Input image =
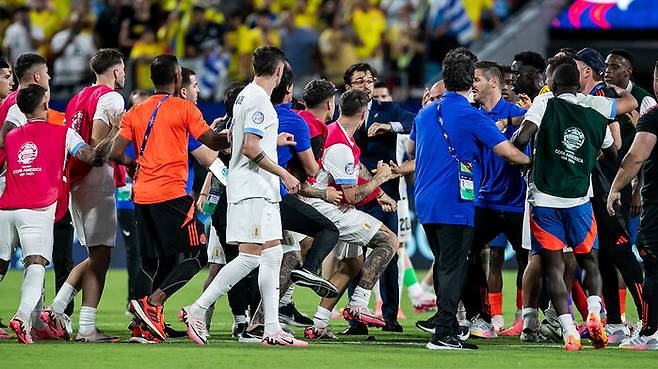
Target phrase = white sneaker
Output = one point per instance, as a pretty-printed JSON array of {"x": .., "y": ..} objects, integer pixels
[
  {"x": 481, "y": 329},
  {"x": 424, "y": 302},
  {"x": 641, "y": 343},
  {"x": 498, "y": 322},
  {"x": 196, "y": 327},
  {"x": 617, "y": 333}
]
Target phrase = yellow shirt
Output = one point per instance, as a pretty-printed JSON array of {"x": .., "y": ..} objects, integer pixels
[
  {"x": 369, "y": 26},
  {"x": 474, "y": 9},
  {"x": 143, "y": 53}
]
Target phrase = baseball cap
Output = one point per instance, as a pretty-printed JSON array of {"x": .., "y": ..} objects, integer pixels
[{"x": 592, "y": 59}]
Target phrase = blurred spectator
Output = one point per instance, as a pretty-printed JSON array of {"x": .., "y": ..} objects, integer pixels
[
  {"x": 108, "y": 25},
  {"x": 301, "y": 48},
  {"x": 306, "y": 13},
  {"x": 337, "y": 49},
  {"x": 72, "y": 48},
  {"x": 133, "y": 27},
  {"x": 142, "y": 53},
  {"x": 369, "y": 24},
  {"x": 482, "y": 15},
  {"x": 203, "y": 36},
  {"x": 405, "y": 47},
  {"x": 264, "y": 33},
  {"x": 21, "y": 36},
  {"x": 46, "y": 16}
]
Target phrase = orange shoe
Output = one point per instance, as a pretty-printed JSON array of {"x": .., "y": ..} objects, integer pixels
[
  {"x": 513, "y": 331},
  {"x": 597, "y": 334},
  {"x": 572, "y": 343},
  {"x": 152, "y": 316}
]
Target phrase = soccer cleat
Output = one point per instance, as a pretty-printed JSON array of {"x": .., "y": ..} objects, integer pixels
[
  {"x": 238, "y": 329},
  {"x": 572, "y": 343},
  {"x": 151, "y": 315},
  {"x": 44, "y": 334},
  {"x": 641, "y": 343},
  {"x": 139, "y": 335},
  {"x": 482, "y": 329},
  {"x": 314, "y": 333},
  {"x": 424, "y": 302},
  {"x": 364, "y": 315},
  {"x": 449, "y": 343},
  {"x": 513, "y": 331},
  {"x": 356, "y": 329},
  {"x": 254, "y": 335},
  {"x": 617, "y": 333},
  {"x": 4, "y": 335},
  {"x": 319, "y": 285},
  {"x": 196, "y": 327},
  {"x": 597, "y": 334},
  {"x": 21, "y": 329},
  {"x": 498, "y": 322},
  {"x": 282, "y": 339},
  {"x": 289, "y": 315},
  {"x": 56, "y": 323},
  {"x": 96, "y": 337},
  {"x": 172, "y": 333}
]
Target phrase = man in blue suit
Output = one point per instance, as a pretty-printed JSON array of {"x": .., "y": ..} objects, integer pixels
[{"x": 377, "y": 139}]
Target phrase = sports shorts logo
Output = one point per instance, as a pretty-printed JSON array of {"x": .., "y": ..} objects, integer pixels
[
  {"x": 27, "y": 153},
  {"x": 573, "y": 138},
  {"x": 349, "y": 168},
  {"x": 258, "y": 117}
]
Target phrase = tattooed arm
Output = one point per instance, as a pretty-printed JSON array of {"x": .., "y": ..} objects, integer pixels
[
  {"x": 355, "y": 193},
  {"x": 329, "y": 194}
]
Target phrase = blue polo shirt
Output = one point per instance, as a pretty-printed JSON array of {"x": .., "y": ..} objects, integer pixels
[
  {"x": 437, "y": 172},
  {"x": 293, "y": 123},
  {"x": 502, "y": 186}
]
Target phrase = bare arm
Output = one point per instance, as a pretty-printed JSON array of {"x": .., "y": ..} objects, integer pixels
[
  {"x": 6, "y": 128},
  {"x": 251, "y": 149},
  {"x": 204, "y": 155},
  {"x": 625, "y": 102},
  {"x": 616, "y": 133},
  {"x": 118, "y": 152},
  {"x": 355, "y": 193},
  {"x": 411, "y": 149},
  {"x": 215, "y": 141},
  {"x": 329, "y": 194},
  {"x": 203, "y": 194},
  {"x": 511, "y": 154},
  {"x": 89, "y": 155},
  {"x": 524, "y": 134}
]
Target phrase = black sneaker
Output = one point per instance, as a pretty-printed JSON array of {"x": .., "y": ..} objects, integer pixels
[
  {"x": 239, "y": 328},
  {"x": 319, "y": 285},
  {"x": 463, "y": 332},
  {"x": 449, "y": 343},
  {"x": 289, "y": 315},
  {"x": 356, "y": 329},
  {"x": 426, "y": 326},
  {"x": 172, "y": 333},
  {"x": 254, "y": 335},
  {"x": 392, "y": 326}
]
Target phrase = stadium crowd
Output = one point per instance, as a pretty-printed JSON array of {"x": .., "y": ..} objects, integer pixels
[
  {"x": 552, "y": 154},
  {"x": 216, "y": 38}
]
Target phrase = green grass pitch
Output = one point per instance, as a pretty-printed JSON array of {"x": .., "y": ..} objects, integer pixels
[{"x": 405, "y": 350}]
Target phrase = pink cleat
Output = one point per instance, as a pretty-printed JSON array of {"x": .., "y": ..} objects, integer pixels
[
  {"x": 43, "y": 334},
  {"x": 196, "y": 327},
  {"x": 364, "y": 315},
  {"x": 282, "y": 339},
  {"x": 513, "y": 331},
  {"x": 21, "y": 329},
  {"x": 424, "y": 303},
  {"x": 56, "y": 323},
  {"x": 4, "y": 335}
]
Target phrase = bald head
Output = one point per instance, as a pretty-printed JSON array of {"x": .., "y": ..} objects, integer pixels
[{"x": 437, "y": 90}]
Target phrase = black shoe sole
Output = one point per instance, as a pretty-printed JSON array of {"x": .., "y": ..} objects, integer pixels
[{"x": 322, "y": 289}]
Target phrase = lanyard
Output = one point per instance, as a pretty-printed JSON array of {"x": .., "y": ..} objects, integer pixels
[
  {"x": 150, "y": 125},
  {"x": 451, "y": 148}
]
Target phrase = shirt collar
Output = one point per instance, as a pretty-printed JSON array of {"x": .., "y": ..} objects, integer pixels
[
  {"x": 630, "y": 86},
  {"x": 456, "y": 96},
  {"x": 287, "y": 106},
  {"x": 568, "y": 97},
  {"x": 349, "y": 139},
  {"x": 498, "y": 108}
]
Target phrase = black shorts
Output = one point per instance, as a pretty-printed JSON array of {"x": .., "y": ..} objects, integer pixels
[
  {"x": 490, "y": 223},
  {"x": 168, "y": 228}
]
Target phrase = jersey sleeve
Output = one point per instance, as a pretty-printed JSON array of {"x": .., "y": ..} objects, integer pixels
[
  {"x": 302, "y": 136},
  {"x": 254, "y": 122},
  {"x": 649, "y": 122},
  {"x": 412, "y": 135},
  {"x": 192, "y": 144},
  {"x": 486, "y": 131},
  {"x": 73, "y": 141},
  {"x": 110, "y": 103},
  {"x": 536, "y": 112},
  {"x": 16, "y": 116},
  {"x": 647, "y": 103},
  {"x": 608, "y": 140},
  {"x": 196, "y": 125},
  {"x": 605, "y": 106},
  {"x": 338, "y": 160}
]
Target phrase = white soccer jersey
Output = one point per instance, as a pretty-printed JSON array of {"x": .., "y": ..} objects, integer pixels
[
  {"x": 253, "y": 113},
  {"x": 16, "y": 116}
]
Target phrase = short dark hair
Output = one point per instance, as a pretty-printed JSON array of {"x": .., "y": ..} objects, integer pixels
[
  {"x": 566, "y": 76},
  {"x": 265, "y": 60},
  {"x": 4, "y": 63},
  {"x": 506, "y": 69},
  {"x": 352, "y": 102},
  {"x": 570, "y": 51},
  {"x": 624, "y": 54},
  {"x": 317, "y": 91},
  {"x": 164, "y": 69},
  {"x": 557, "y": 61},
  {"x": 187, "y": 73},
  {"x": 25, "y": 62},
  {"x": 358, "y": 67},
  {"x": 458, "y": 68},
  {"x": 531, "y": 58},
  {"x": 492, "y": 69},
  {"x": 381, "y": 84},
  {"x": 29, "y": 98},
  {"x": 279, "y": 92},
  {"x": 231, "y": 94},
  {"x": 104, "y": 59}
]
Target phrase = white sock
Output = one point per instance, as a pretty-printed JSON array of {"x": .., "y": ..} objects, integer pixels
[
  {"x": 378, "y": 292},
  {"x": 31, "y": 290},
  {"x": 287, "y": 297},
  {"x": 268, "y": 283},
  {"x": 530, "y": 319},
  {"x": 360, "y": 297},
  {"x": 321, "y": 317},
  {"x": 65, "y": 295},
  {"x": 415, "y": 291},
  {"x": 37, "y": 323},
  {"x": 227, "y": 277},
  {"x": 240, "y": 319},
  {"x": 568, "y": 328},
  {"x": 87, "y": 320},
  {"x": 594, "y": 305}
]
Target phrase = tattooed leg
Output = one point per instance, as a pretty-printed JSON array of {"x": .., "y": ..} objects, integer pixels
[
  {"x": 346, "y": 270},
  {"x": 291, "y": 261},
  {"x": 384, "y": 245}
]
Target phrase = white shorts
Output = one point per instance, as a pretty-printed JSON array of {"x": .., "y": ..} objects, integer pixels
[
  {"x": 291, "y": 241},
  {"x": 94, "y": 215},
  {"x": 354, "y": 226},
  {"x": 254, "y": 220},
  {"x": 344, "y": 250},
  {"x": 32, "y": 229},
  {"x": 215, "y": 250}
]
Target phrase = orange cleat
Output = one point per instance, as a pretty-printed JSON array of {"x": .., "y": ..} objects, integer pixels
[
  {"x": 597, "y": 334},
  {"x": 572, "y": 343}
]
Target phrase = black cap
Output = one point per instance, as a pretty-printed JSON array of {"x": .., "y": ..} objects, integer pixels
[{"x": 592, "y": 59}]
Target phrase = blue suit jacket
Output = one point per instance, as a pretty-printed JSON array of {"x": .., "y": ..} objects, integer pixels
[{"x": 382, "y": 147}]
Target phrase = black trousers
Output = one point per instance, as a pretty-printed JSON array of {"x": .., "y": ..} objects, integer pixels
[
  {"x": 128, "y": 226},
  {"x": 616, "y": 253},
  {"x": 63, "y": 254},
  {"x": 647, "y": 244},
  {"x": 450, "y": 245}
]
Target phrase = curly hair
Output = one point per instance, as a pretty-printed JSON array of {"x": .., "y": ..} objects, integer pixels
[{"x": 458, "y": 68}]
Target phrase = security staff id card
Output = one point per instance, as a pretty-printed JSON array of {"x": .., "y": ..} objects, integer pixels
[{"x": 466, "y": 186}]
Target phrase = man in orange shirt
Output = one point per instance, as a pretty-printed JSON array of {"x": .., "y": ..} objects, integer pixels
[{"x": 158, "y": 129}]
